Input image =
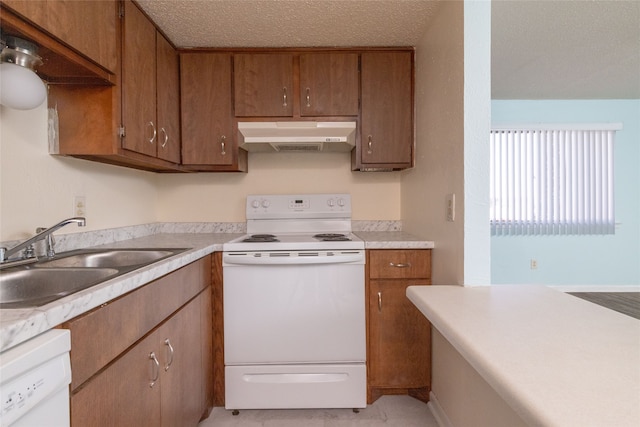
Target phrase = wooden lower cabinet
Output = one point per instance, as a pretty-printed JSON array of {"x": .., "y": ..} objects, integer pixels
[
  {"x": 399, "y": 336},
  {"x": 164, "y": 378}
]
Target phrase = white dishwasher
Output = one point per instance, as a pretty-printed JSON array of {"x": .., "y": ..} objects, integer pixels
[{"x": 34, "y": 381}]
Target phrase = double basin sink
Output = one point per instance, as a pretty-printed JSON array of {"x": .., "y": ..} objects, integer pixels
[{"x": 50, "y": 279}]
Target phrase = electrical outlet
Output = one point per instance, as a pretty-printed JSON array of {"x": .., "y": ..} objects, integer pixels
[
  {"x": 451, "y": 207},
  {"x": 533, "y": 264},
  {"x": 79, "y": 206}
]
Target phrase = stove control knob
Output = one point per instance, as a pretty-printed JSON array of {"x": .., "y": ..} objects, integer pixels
[
  {"x": 255, "y": 204},
  {"x": 331, "y": 203},
  {"x": 341, "y": 202},
  {"x": 266, "y": 204}
]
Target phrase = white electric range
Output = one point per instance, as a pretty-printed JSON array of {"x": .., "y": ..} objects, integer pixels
[{"x": 294, "y": 306}]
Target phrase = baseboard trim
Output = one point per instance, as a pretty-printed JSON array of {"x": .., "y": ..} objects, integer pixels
[
  {"x": 595, "y": 288},
  {"x": 438, "y": 412}
]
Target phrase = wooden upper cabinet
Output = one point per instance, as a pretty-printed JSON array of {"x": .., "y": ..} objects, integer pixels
[
  {"x": 139, "y": 82},
  {"x": 263, "y": 84},
  {"x": 387, "y": 110},
  {"x": 90, "y": 27},
  {"x": 329, "y": 84},
  {"x": 150, "y": 89},
  {"x": 168, "y": 100},
  {"x": 208, "y": 138}
]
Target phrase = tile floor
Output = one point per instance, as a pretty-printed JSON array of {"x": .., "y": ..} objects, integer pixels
[{"x": 396, "y": 411}]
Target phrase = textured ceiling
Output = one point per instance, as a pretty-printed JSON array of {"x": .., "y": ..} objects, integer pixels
[
  {"x": 549, "y": 49},
  {"x": 290, "y": 23}
]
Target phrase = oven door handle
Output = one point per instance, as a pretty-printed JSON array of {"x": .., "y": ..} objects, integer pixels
[{"x": 298, "y": 260}]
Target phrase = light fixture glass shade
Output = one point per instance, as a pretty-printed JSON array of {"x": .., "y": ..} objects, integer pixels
[{"x": 20, "y": 87}]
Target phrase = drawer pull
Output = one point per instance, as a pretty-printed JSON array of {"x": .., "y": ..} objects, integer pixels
[
  {"x": 170, "y": 348},
  {"x": 155, "y": 369},
  {"x": 380, "y": 301},
  {"x": 400, "y": 265}
]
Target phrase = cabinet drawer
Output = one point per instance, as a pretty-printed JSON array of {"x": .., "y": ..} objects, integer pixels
[
  {"x": 399, "y": 264},
  {"x": 97, "y": 337}
]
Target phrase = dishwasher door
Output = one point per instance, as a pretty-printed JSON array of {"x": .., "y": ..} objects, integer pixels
[{"x": 34, "y": 382}]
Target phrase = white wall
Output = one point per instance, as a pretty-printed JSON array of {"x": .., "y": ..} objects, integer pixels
[
  {"x": 221, "y": 196},
  {"x": 440, "y": 144},
  {"x": 37, "y": 190},
  {"x": 477, "y": 126}
]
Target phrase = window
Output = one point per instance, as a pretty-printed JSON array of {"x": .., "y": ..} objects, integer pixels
[{"x": 552, "y": 179}]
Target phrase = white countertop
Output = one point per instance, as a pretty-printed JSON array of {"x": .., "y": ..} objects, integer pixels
[
  {"x": 557, "y": 360},
  {"x": 18, "y": 325}
]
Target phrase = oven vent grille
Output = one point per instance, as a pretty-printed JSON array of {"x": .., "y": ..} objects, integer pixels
[{"x": 298, "y": 147}]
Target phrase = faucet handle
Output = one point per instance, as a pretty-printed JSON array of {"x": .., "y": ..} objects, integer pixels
[
  {"x": 29, "y": 252},
  {"x": 50, "y": 242}
]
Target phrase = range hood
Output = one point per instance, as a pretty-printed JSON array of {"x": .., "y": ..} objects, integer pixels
[{"x": 302, "y": 136}]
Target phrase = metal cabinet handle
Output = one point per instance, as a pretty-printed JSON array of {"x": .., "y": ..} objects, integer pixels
[
  {"x": 308, "y": 98},
  {"x": 170, "y": 348},
  {"x": 400, "y": 265},
  {"x": 155, "y": 133},
  {"x": 155, "y": 369},
  {"x": 223, "y": 140},
  {"x": 370, "y": 145},
  {"x": 380, "y": 301},
  {"x": 284, "y": 96},
  {"x": 166, "y": 137}
]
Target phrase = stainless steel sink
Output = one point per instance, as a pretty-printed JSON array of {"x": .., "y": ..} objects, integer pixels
[
  {"x": 115, "y": 258},
  {"x": 34, "y": 287},
  {"x": 47, "y": 280}
]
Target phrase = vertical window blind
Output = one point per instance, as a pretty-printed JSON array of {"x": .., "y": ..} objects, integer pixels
[{"x": 552, "y": 179}]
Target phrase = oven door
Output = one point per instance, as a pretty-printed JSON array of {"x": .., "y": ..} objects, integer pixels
[{"x": 294, "y": 308}]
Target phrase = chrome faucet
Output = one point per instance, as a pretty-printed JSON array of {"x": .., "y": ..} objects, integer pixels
[{"x": 42, "y": 233}]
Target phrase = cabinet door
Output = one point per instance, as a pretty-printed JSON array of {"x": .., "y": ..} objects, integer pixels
[
  {"x": 207, "y": 128},
  {"x": 329, "y": 84},
  {"x": 263, "y": 85},
  {"x": 168, "y": 100},
  {"x": 399, "y": 337},
  {"x": 139, "y": 82},
  {"x": 181, "y": 366},
  {"x": 121, "y": 395},
  {"x": 387, "y": 108},
  {"x": 87, "y": 26}
]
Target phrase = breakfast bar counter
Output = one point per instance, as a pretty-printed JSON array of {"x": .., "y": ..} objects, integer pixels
[{"x": 556, "y": 360}]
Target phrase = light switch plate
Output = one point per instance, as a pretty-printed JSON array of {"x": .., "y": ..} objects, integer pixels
[{"x": 451, "y": 207}]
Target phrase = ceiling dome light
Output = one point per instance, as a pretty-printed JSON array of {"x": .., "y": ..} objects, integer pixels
[{"x": 20, "y": 86}]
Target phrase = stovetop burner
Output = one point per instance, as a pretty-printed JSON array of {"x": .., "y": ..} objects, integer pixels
[
  {"x": 332, "y": 237},
  {"x": 262, "y": 238}
]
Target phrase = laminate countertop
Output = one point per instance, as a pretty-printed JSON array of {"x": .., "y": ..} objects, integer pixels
[
  {"x": 392, "y": 240},
  {"x": 18, "y": 325},
  {"x": 555, "y": 359}
]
